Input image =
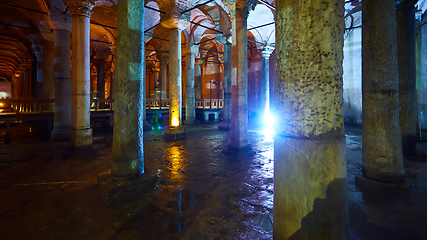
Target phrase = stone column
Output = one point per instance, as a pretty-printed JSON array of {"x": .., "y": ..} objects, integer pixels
[
  {"x": 100, "y": 83},
  {"x": 239, "y": 107},
  {"x": 190, "y": 101},
  {"x": 128, "y": 176},
  {"x": 61, "y": 24},
  {"x": 38, "y": 51},
  {"x": 265, "y": 85},
  {"x": 81, "y": 133},
  {"x": 382, "y": 145},
  {"x": 408, "y": 104},
  {"x": 198, "y": 78},
  {"x": 310, "y": 175},
  {"x": 48, "y": 65},
  {"x": 226, "y": 116},
  {"x": 163, "y": 58},
  {"x": 113, "y": 71}
]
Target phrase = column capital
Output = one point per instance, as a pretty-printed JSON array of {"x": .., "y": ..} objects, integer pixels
[
  {"x": 240, "y": 8},
  {"x": 163, "y": 57},
  {"x": 81, "y": 7},
  {"x": 59, "y": 20},
  {"x": 199, "y": 61},
  {"x": 223, "y": 39},
  {"x": 38, "y": 49},
  {"x": 174, "y": 17},
  {"x": 113, "y": 49},
  {"x": 266, "y": 51}
]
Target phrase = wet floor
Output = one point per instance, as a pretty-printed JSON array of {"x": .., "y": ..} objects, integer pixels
[{"x": 202, "y": 193}]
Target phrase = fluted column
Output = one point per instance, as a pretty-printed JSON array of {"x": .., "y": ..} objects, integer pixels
[
  {"x": 310, "y": 175},
  {"x": 239, "y": 113},
  {"x": 265, "y": 85},
  {"x": 190, "y": 101},
  {"x": 81, "y": 133},
  {"x": 226, "y": 122},
  {"x": 61, "y": 24},
  {"x": 408, "y": 105},
  {"x": 382, "y": 145},
  {"x": 163, "y": 58}
]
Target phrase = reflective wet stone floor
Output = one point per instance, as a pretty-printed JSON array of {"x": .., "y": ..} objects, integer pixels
[{"x": 202, "y": 192}]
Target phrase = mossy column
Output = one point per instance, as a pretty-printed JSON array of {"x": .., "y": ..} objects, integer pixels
[
  {"x": 226, "y": 117},
  {"x": 61, "y": 24},
  {"x": 382, "y": 146},
  {"x": 408, "y": 110},
  {"x": 239, "y": 107},
  {"x": 310, "y": 179},
  {"x": 81, "y": 133},
  {"x": 128, "y": 155}
]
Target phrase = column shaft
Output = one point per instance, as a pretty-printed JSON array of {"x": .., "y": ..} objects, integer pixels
[
  {"x": 100, "y": 85},
  {"x": 408, "y": 113},
  {"x": 128, "y": 154},
  {"x": 265, "y": 85},
  {"x": 163, "y": 74},
  {"x": 226, "y": 116},
  {"x": 62, "y": 73},
  {"x": 382, "y": 145},
  {"x": 310, "y": 178},
  {"x": 48, "y": 67},
  {"x": 81, "y": 133},
  {"x": 198, "y": 80},
  {"x": 175, "y": 78},
  {"x": 190, "y": 101},
  {"x": 239, "y": 112}
]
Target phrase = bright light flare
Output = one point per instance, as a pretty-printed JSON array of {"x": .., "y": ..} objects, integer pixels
[
  {"x": 1, "y": 104},
  {"x": 269, "y": 119},
  {"x": 269, "y": 132}
]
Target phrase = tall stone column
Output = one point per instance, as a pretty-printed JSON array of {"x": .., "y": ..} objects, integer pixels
[
  {"x": 310, "y": 176},
  {"x": 128, "y": 176},
  {"x": 408, "y": 104},
  {"x": 190, "y": 101},
  {"x": 61, "y": 24},
  {"x": 382, "y": 145},
  {"x": 198, "y": 78},
  {"x": 100, "y": 83},
  {"x": 239, "y": 107},
  {"x": 81, "y": 133},
  {"x": 48, "y": 65},
  {"x": 163, "y": 58},
  {"x": 226, "y": 122},
  {"x": 113, "y": 71},
  {"x": 265, "y": 84}
]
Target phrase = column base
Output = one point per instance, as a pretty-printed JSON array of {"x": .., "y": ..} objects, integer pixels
[
  {"x": 113, "y": 189},
  {"x": 224, "y": 126},
  {"x": 377, "y": 173},
  {"x": 192, "y": 122},
  {"x": 310, "y": 189},
  {"x": 60, "y": 134},
  {"x": 403, "y": 188},
  {"x": 146, "y": 126},
  {"x": 243, "y": 149},
  {"x": 81, "y": 139},
  {"x": 172, "y": 134}
]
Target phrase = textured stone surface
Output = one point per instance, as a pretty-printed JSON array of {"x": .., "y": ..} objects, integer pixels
[
  {"x": 172, "y": 134},
  {"x": 226, "y": 116},
  {"x": 128, "y": 155},
  {"x": 190, "y": 101},
  {"x": 175, "y": 77},
  {"x": 309, "y": 169},
  {"x": 382, "y": 146}
]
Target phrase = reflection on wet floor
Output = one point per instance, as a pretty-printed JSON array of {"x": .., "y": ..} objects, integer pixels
[{"x": 202, "y": 193}]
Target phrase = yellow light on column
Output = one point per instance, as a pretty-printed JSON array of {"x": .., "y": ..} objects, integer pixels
[{"x": 175, "y": 121}]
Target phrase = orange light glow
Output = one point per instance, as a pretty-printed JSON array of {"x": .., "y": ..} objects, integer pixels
[{"x": 175, "y": 122}]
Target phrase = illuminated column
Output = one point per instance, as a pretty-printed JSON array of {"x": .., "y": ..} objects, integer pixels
[
  {"x": 61, "y": 24},
  {"x": 81, "y": 133},
  {"x": 128, "y": 176},
  {"x": 382, "y": 145},
  {"x": 408, "y": 103},
  {"x": 198, "y": 78},
  {"x": 190, "y": 101},
  {"x": 226, "y": 123},
  {"x": 239, "y": 107},
  {"x": 265, "y": 85},
  {"x": 163, "y": 58},
  {"x": 310, "y": 175},
  {"x": 176, "y": 22}
]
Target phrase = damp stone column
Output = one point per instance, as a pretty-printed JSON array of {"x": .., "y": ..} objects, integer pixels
[
  {"x": 239, "y": 107},
  {"x": 81, "y": 133},
  {"x": 176, "y": 22},
  {"x": 226, "y": 122},
  {"x": 382, "y": 157},
  {"x": 163, "y": 61},
  {"x": 128, "y": 176},
  {"x": 310, "y": 175},
  {"x": 61, "y": 24},
  {"x": 190, "y": 101},
  {"x": 100, "y": 83},
  {"x": 408, "y": 104},
  {"x": 267, "y": 118}
]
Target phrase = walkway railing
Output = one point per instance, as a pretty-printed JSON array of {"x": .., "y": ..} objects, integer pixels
[{"x": 48, "y": 105}]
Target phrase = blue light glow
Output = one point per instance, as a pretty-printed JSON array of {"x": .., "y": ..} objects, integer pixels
[{"x": 269, "y": 119}]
